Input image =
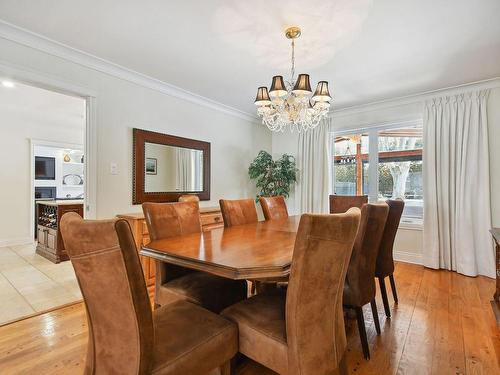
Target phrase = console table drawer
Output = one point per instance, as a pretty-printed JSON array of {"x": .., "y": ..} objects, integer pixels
[{"x": 209, "y": 219}]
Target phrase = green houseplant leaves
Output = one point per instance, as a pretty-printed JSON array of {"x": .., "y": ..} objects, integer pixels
[{"x": 273, "y": 177}]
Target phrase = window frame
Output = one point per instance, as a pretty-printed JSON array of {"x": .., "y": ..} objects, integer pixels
[{"x": 372, "y": 131}]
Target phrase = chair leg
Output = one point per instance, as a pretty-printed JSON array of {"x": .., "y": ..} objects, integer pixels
[
  {"x": 226, "y": 368},
  {"x": 385, "y": 300},
  {"x": 375, "y": 316},
  {"x": 362, "y": 331},
  {"x": 393, "y": 287}
]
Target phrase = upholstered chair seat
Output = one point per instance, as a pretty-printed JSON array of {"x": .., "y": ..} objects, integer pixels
[
  {"x": 341, "y": 203},
  {"x": 212, "y": 292},
  {"x": 300, "y": 329},
  {"x": 190, "y": 339},
  {"x": 359, "y": 288},
  {"x": 173, "y": 282},
  {"x": 385, "y": 260},
  {"x": 125, "y": 336}
]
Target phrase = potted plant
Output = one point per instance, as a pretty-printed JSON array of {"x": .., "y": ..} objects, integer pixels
[{"x": 273, "y": 177}]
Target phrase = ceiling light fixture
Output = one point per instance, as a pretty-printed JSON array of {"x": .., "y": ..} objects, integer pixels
[
  {"x": 8, "y": 84},
  {"x": 291, "y": 104}
]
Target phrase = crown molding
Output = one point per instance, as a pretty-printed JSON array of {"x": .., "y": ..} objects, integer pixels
[
  {"x": 39, "y": 42},
  {"x": 418, "y": 98}
]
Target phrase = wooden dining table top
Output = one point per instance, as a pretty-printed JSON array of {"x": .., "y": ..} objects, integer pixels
[{"x": 259, "y": 250}]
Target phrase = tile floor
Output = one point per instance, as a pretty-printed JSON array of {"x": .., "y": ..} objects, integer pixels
[{"x": 30, "y": 283}]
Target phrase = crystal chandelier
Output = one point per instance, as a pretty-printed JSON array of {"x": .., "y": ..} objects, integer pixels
[{"x": 291, "y": 105}]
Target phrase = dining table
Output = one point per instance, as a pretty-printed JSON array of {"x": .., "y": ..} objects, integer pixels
[{"x": 244, "y": 252}]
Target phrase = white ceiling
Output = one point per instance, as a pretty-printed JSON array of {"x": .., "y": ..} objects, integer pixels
[{"x": 368, "y": 50}]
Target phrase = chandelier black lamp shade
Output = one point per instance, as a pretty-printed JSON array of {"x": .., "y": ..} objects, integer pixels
[
  {"x": 278, "y": 88},
  {"x": 303, "y": 85},
  {"x": 322, "y": 94},
  {"x": 262, "y": 98}
]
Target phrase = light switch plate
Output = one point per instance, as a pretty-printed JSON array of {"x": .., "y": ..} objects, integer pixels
[{"x": 113, "y": 168}]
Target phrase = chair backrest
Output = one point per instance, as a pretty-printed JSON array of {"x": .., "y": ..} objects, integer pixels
[
  {"x": 361, "y": 272},
  {"x": 314, "y": 318},
  {"x": 109, "y": 273},
  {"x": 341, "y": 203},
  {"x": 166, "y": 220},
  {"x": 385, "y": 260},
  {"x": 274, "y": 208},
  {"x": 189, "y": 198},
  {"x": 238, "y": 212}
]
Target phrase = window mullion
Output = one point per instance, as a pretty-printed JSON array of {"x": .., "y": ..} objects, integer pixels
[{"x": 373, "y": 168}]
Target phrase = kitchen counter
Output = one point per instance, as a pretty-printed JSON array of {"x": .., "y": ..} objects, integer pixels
[{"x": 60, "y": 202}]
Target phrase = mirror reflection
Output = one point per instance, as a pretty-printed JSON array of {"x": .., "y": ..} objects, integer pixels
[{"x": 172, "y": 169}]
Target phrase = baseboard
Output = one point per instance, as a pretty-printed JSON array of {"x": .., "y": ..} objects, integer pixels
[
  {"x": 16, "y": 241},
  {"x": 407, "y": 257}
]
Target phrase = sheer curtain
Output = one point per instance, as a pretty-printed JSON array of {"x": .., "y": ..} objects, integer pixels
[
  {"x": 457, "y": 213},
  {"x": 313, "y": 162},
  {"x": 184, "y": 169}
]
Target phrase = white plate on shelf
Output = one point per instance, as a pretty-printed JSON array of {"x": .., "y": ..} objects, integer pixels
[{"x": 72, "y": 179}]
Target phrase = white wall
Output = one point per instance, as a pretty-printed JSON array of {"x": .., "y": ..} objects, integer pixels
[
  {"x": 122, "y": 105},
  {"x": 27, "y": 112},
  {"x": 408, "y": 244}
]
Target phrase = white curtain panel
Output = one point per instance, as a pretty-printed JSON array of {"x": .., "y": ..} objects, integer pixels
[
  {"x": 184, "y": 166},
  {"x": 313, "y": 162},
  {"x": 457, "y": 214}
]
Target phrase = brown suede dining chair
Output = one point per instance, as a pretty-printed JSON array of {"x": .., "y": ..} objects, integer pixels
[
  {"x": 173, "y": 282},
  {"x": 341, "y": 203},
  {"x": 274, "y": 208},
  {"x": 238, "y": 211},
  {"x": 290, "y": 330},
  {"x": 359, "y": 288},
  {"x": 385, "y": 260},
  {"x": 125, "y": 336},
  {"x": 189, "y": 198}
]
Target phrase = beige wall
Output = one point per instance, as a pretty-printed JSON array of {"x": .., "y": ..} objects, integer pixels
[{"x": 122, "y": 105}]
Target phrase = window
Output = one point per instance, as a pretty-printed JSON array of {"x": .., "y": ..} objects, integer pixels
[
  {"x": 396, "y": 155},
  {"x": 400, "y": 168},
  {"x": 351, "y": 165}
]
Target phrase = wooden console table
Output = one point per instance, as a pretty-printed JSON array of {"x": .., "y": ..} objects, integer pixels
[
  {"x": 496, "y": 298},
  {"x": 210, "y": 217}
]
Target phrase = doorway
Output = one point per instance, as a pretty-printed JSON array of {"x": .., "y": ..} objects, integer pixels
[{"x": 43, "y": 164}]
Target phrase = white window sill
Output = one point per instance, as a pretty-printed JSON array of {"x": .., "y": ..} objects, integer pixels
[{"x": 411, "y": 224}]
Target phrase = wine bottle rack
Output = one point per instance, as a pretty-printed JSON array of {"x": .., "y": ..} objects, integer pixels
[{"x": 47, "y": 216}]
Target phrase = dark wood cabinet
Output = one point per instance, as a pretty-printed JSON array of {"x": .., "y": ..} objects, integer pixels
[{"x": 50, "y": 244}]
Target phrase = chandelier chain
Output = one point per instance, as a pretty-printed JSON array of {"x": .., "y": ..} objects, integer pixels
[{"x": 292, "y": 72}]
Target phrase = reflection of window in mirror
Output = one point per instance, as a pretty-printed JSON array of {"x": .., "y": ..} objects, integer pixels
[{"x": 172, "y": 169}]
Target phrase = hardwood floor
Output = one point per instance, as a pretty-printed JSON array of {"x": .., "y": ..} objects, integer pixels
[{"x": 443, "y": 324}]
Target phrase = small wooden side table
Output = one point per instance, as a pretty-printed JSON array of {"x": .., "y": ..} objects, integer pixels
[{"x": 496, "y": 298}]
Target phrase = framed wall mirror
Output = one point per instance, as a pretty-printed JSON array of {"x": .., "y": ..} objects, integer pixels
[{"x": 166, "y": 167}]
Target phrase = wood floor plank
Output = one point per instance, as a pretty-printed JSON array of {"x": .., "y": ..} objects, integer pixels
[{"x": 443, "y": 324}]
